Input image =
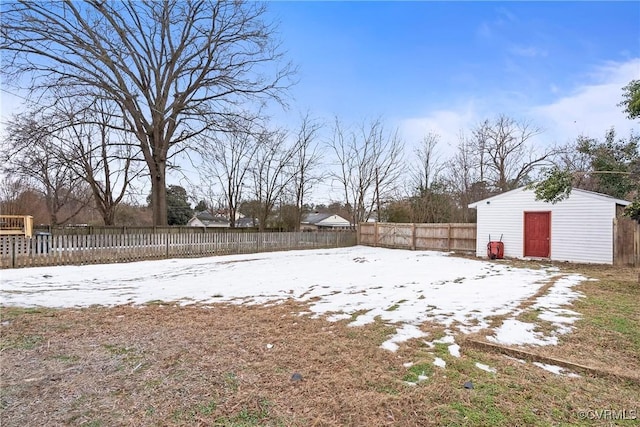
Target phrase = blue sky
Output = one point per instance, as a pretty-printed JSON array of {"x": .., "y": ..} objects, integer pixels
[{"x": 444, "y": 66}]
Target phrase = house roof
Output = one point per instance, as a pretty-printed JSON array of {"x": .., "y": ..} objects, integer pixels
[
  {"x": 245, "y": 222},
  {"x": 206, "y": 219},
  {"x": 587, "y": 193},
  {"x": 204, "y": 216},
  {"x": 315, "y": 218},
  {"x": 318, "y": 218}
]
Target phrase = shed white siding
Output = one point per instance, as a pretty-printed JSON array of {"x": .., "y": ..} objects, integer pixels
[{"x": 581, "y": 226}]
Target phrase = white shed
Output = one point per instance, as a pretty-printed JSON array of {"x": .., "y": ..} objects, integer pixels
[{"x": 577, "y": 229}]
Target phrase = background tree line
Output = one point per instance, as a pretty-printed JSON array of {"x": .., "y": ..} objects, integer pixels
[{"x": 124, "y": 89}]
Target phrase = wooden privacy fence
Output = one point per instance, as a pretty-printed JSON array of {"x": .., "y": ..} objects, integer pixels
[
  {"x": 447, "y": 237},
  {"x": 626, "y": 242},
  {"x": 45, "y": 250}
]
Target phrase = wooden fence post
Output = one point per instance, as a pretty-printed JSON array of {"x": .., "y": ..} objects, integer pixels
[
  {"x": 376, "y": 234},
  {"x": 12, "y": 246},
  {"x": 413, "y": 236},
  {"x": 167, "y": 236}
]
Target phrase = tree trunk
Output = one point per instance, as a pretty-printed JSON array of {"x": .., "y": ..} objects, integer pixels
[
  {"x": 109, "y": 217},
  {"x": 159, "y": 193}
]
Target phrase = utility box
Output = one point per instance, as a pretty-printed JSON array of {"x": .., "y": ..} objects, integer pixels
[{"x": 495, "y": 250}]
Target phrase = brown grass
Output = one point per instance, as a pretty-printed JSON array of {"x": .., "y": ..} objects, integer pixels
[{"x": 233, "y": 365}]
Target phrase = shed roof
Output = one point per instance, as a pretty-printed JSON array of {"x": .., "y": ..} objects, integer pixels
[{"x": 587, "y": 193}]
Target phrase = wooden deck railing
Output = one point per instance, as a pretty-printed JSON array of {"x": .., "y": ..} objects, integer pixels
[{"x": 16, "y": 225}]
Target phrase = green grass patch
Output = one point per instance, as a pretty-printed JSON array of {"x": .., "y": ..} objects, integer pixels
[
  {"x": 530, "y": 316},
  {"x": 118, "y": 350},
  {"x": 248, "y": 417},
  {"x": 204, "y": 409},
  {"x": 356, "y": 314},
  {"x": 415, "y": 371},
  {"x": 66, "y": 358},
  {"x": 476, "y": 415},
  {"x": 24, "y": 342},
  {"x": 231, "y": 381}
]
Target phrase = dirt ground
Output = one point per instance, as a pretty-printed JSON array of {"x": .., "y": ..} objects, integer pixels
[{"x": 233, "y": 365}]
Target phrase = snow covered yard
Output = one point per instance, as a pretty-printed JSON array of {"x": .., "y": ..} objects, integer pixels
[
  {"x": 269, "y": 339},
  {"x": 403, "y": 288}
]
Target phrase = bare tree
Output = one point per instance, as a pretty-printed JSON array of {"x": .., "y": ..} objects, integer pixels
[
  {"x": 370, "y": 163},
  {"x": 172, "y": 67},
  {"x": 505, "y": 156},
  {"x": 464, "y": 177},
  {"x": 430, "y": 201},
  {"x": 100, "y": 155},
  {"x": 272, "y": 172},
  {"x": 306, "y": 162},
  {"x": 228, "y": 157},
  {"x": 30, "y": 153},
  {"x": 428, "y": 166}
]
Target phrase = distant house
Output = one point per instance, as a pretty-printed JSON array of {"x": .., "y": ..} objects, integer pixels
[
  {"x": 324, "y": 221},
  {"x": 578, "y": 229},
  {"x": 246, "y": 222},
  {"x": 205, "y": 219}
]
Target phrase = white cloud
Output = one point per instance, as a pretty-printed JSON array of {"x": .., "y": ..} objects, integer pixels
[
  {"x": 484, "y": 31},
  {"x": 528, "y": 51},
  {"x": 591, "y": 108},
  {"x": 446, "y": 123}
]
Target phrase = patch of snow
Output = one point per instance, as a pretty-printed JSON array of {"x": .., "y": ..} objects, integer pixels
[
  {"x": 439, "y": 362},
  {"x": 447, "y": 339},
  {"x": 454, "y": 350},
  {"x": 434, "y": 286},
  {"x": 337, "y": 317},
  {"x": 486, "y": 367},
  {"x": 516, "y": 359},
  {"x": 558, "y": 370},
  {"x": 550, "y": 304},
  {"x": 403, "y": 334},
  {"x": 515, "y": 332},
  {"x": 407, "y": 364}
]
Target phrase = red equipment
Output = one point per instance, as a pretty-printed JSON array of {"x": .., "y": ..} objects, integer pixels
[{"x": 495, "y": 249}]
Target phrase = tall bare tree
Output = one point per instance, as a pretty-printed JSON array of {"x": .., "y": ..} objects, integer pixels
[
  {"x": 464, "y": 177},
  {"x": 31, "y": 152},
  {"x": 171, "y": 66},
  {"x": 430, "y": 201},
  {"x": 505, "y": 154},
  {"x": 102, "y": 156},
  {"x": 228, "y": 157},
  {"x": 272, "y": 172},
  {"x": 428, "y": 166},
  {"x": 306, "y": 162},
  {"x": 370, "y": 164}
]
